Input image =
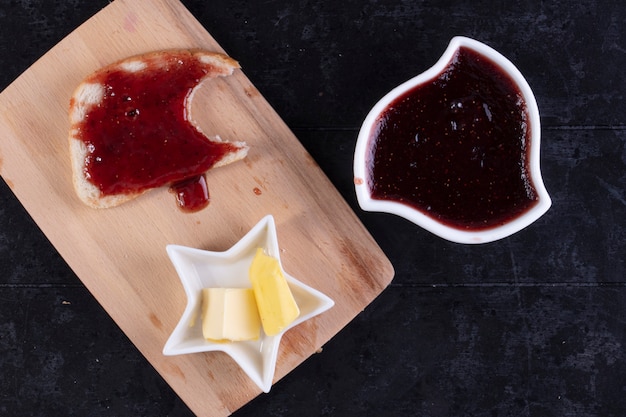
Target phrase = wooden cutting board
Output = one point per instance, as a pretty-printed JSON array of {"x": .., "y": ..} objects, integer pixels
[{"x": 119, "y": 253}]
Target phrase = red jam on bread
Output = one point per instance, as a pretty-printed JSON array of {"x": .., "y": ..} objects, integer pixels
[{"x": 138, "y": 135}]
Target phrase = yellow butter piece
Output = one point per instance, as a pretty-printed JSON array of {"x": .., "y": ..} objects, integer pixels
[
  {"x": 276, "y": 304},
  {"x": 230, "y": 314}
]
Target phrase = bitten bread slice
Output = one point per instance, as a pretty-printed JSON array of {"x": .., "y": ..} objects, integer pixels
[{"x": 92, "y": 91}]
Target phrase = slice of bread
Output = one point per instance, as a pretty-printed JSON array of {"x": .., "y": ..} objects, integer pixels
[{"x": 90, "y": 93}]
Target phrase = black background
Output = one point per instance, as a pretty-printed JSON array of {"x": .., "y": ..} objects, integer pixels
[{"x": 531, "y": 325}]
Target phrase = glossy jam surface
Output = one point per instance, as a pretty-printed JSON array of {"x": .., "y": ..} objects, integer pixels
[
  {"x": 192, "y": 194},
  {"x": 456, "y": 147},
  {"x": 139, "y": 137}
]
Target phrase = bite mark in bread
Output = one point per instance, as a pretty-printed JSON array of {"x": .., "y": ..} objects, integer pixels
[{"x": 96, "y": 92}]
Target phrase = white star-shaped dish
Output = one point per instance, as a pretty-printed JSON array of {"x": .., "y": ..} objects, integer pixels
[{"x": 200, "y": 269}]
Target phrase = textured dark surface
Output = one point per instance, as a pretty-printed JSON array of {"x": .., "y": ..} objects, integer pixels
[{"x": 532, "y": 325}]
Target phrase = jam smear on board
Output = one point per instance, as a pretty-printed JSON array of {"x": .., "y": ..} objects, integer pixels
[
  {"x": 456, "y": 148},
  {"x": 192, "y": 194},
  {"x": 139, "y": 136}
]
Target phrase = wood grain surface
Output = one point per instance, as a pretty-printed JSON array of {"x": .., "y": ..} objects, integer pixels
[{"x": 119, "y": 253}]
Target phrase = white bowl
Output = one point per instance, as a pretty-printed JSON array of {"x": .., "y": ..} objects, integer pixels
[
  {"x": 200, "y": 269},
  {"x": 361, "y": 174}
]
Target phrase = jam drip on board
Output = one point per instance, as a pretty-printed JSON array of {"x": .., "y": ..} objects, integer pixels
[
  {"x": 192, "y": 194},
  {"x": 139, "y": 136},
  {"x": 456, "y": 148}
]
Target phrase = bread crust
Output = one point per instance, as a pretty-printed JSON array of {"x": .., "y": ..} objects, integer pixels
[{"x": 90, "y": 92}]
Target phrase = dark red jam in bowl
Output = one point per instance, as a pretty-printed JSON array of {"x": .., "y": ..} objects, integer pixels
[{"x": 456, "y": 148}]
